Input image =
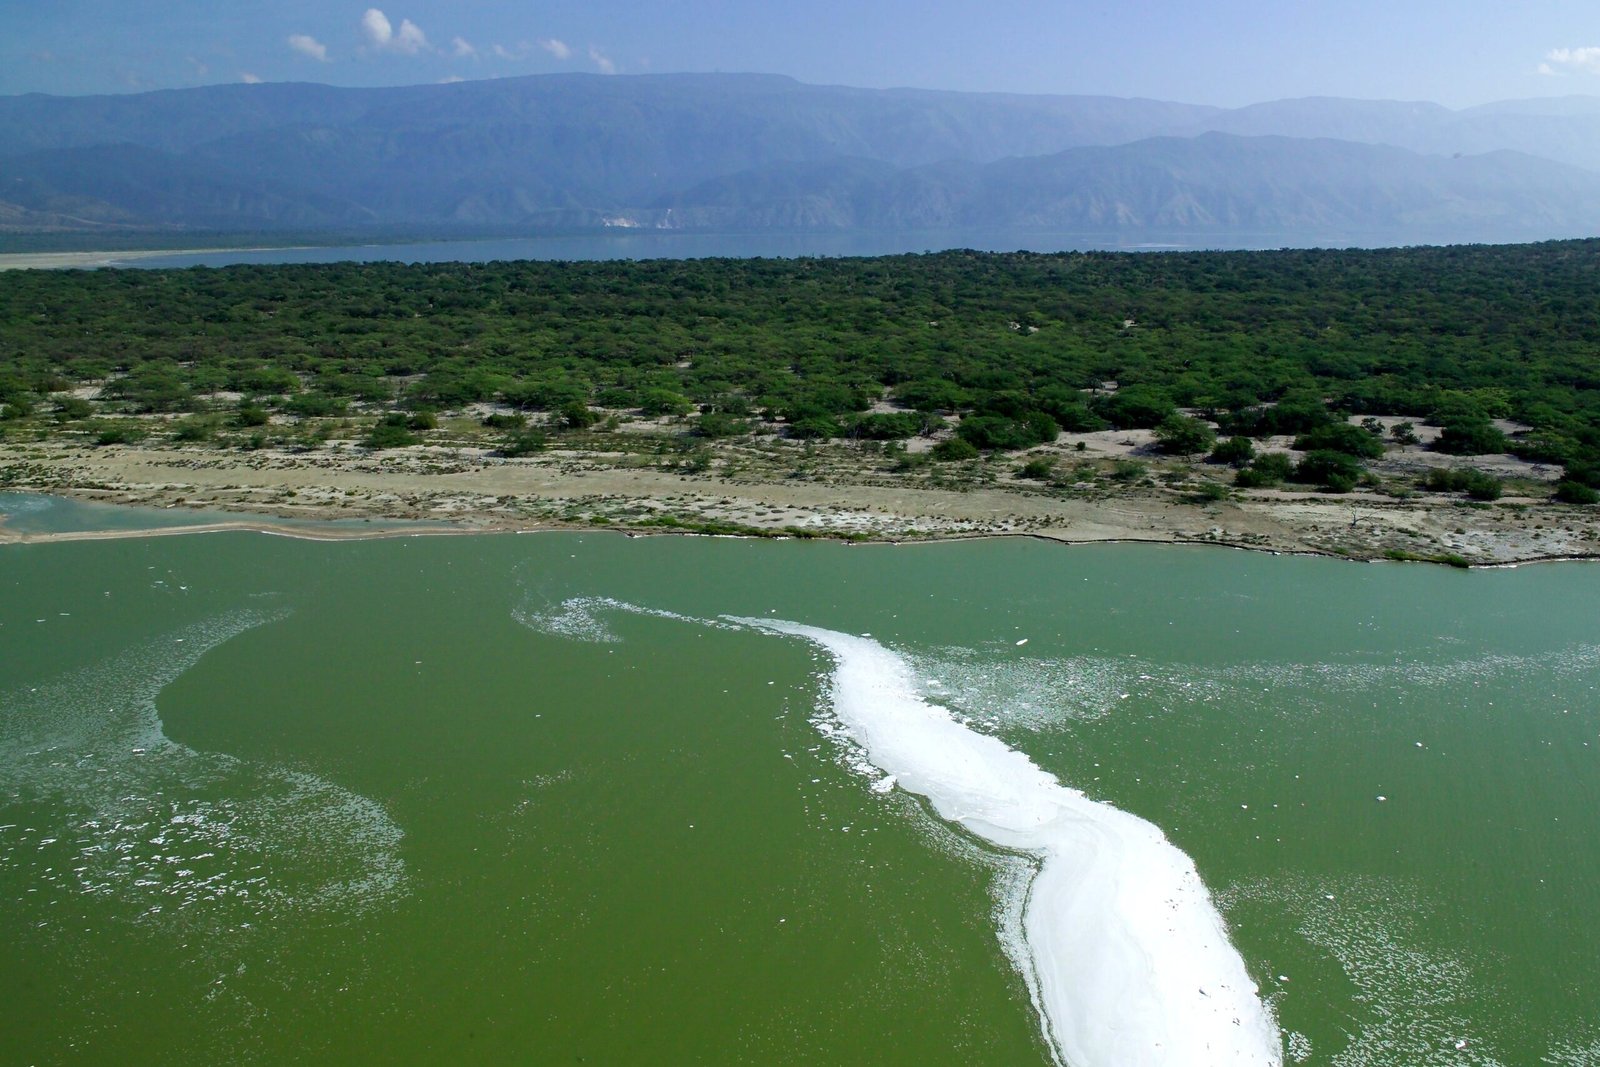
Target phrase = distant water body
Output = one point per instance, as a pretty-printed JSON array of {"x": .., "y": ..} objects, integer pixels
[{"x": 656, "y": 245}]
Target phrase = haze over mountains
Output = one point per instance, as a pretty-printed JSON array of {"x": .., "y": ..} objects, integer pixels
[{"x": 756, "y": 152}]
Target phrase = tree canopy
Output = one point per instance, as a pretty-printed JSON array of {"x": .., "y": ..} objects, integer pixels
[{"x": 1260, "y": 342}]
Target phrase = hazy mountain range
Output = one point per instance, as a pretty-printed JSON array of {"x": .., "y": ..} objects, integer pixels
[{"x": 763, "y": 152}]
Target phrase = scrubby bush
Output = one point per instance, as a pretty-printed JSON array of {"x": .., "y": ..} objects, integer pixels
[
  {"x": 118, "y": 433},
  {"x": 72, "y": 408},
  {"x": 887, "y": 426},
  {"x": 1038, "y": 468},
  {"x": 390, "y": 432},
  {"x": 1474, "y": 483},
  {"x": 251, "y": 414},
  {"x": 1184, "y": 435},
  {"x": 1474, "y": 438},
  {"x": 955, "y": 448},
  {"x": 719, "y": 424},
  {"x": 1269, "y": 468},
  {"x": 1335, "y": 472},
  {"x": 194, "y": 429},
  {"x": 1136, "y": 407},
  {"x": 1128, "y": 471},
  {"x": 1340, "y": 437},
  {"x": 815, "y": 428},
  {"x": 1575, "y": 493},
  {"x": 1235, "y": 451},
  {"x": 524, "y": 443},
  {"x": 576, "y": 415},
  {"x": 1299, "y": 414},
  {"x": 664, "y": 402},
  {"x": 315, "y": 405},
  {"x": 998, "y": 433}
]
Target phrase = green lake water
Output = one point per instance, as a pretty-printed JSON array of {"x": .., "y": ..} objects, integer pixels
[{"x": 530, "y": 799}]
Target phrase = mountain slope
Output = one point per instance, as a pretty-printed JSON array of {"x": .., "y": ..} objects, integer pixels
[
  {"x": 763, "y": 151},
  {"x": 1215, "y": 183}
]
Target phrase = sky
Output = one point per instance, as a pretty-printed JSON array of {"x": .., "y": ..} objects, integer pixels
[{"x": 1222, "y": 52}]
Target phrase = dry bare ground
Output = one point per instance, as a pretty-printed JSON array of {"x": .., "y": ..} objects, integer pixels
[{"x": 837, "y": 490}]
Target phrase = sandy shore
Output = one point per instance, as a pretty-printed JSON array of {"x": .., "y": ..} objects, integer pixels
[
  {"x": 464, "y": 490},
  {"x": 66, "y": 260}
]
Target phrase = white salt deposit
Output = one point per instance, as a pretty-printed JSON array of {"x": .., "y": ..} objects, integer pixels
[{"x": 1127, "y": 959}]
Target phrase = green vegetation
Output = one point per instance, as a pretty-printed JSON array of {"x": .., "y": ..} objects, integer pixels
[
  {"x": 955, "y": 449},
  {"x": 1235, "y": 452},
  {"x": 1476, "y": 484},
  {"x": 1267, "y": 469},
  {"x": 1184, "y": 435},
  {"x": 1038, "y": 469},
  {"x": 1259, "y": 343},
  {"x": 1341, "y": 437},
  {"x": 1576, "y": 493}
]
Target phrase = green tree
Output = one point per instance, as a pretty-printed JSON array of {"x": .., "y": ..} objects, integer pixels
[
  {"x": 953, "y": 449},
  {"x": 576, "y": 415},
  {"x": 1184, "y": 435},
  {"x": 1340, "y": 437},
  {"x": 1136, "y": 407},
  {"x": 390, "y": 432},
  {"x": 1235, "y": 451},
  {"x": 1335, "y": 472},
  {"x": 1470, "y": 438}
]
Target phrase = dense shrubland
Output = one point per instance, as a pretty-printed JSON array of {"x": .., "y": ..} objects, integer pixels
[{"x": 1016, "y": 345}]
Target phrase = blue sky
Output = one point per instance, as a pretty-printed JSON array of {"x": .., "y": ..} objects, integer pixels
[{"x": 1227, "y": 52}]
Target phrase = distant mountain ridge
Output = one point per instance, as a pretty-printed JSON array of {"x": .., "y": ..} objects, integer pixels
[
  {"x": 768, "y": 152},
  {"x": 1211, "y": 184}
]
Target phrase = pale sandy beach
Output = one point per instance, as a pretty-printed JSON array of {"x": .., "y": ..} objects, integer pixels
[
  {"x": 68, "y": 260},
  {"x": 464, "y": 490}
]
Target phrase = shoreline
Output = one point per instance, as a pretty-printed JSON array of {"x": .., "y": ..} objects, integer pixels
[
  {"x": 463, "y": 491},
  {"x": 71, "y": 260},
  {"x": 329, "y": 536}
]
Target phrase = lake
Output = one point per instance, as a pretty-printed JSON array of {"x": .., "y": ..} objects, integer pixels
[
  {"x": 592, "y": 798},
  {"x": 630, "y": 244}
]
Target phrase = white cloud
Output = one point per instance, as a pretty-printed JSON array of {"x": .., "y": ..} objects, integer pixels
[
  {"x": 380, "y": 32},
  {"x": 601, "y": 61},
  {"x": 451, "y": 80},
  {"x": 555, "y": 47},
  {"x": 1573, "y": 59},
  {"x": 307, "y": 45},
  {"x": 461, "y": 49},
  {"x": 248, "y": 78},
  {"x": 409, "y": 39},
  {"x": 375, "y": 24}
]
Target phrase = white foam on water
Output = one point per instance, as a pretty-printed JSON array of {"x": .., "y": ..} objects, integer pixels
[
  {"x": 576, "y": 618},
  {"x": 122, "y": 812},
  {"x": 1413, "y": 1002},
  {"x": 1040, "y": 692},
  {"x": 1126, "y": 957},
  {"x": 1571, "y": 1053},
  {"x": 580, "y": 618}
]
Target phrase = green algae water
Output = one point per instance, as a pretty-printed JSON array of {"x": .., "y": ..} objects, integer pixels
[{"x": 566, "y": 798}]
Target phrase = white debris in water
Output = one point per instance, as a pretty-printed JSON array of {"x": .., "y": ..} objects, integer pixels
[{"x": 1126, "y": 957}]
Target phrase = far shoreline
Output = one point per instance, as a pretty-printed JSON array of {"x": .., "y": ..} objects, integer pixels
[{"x": 109, "y": 259}]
